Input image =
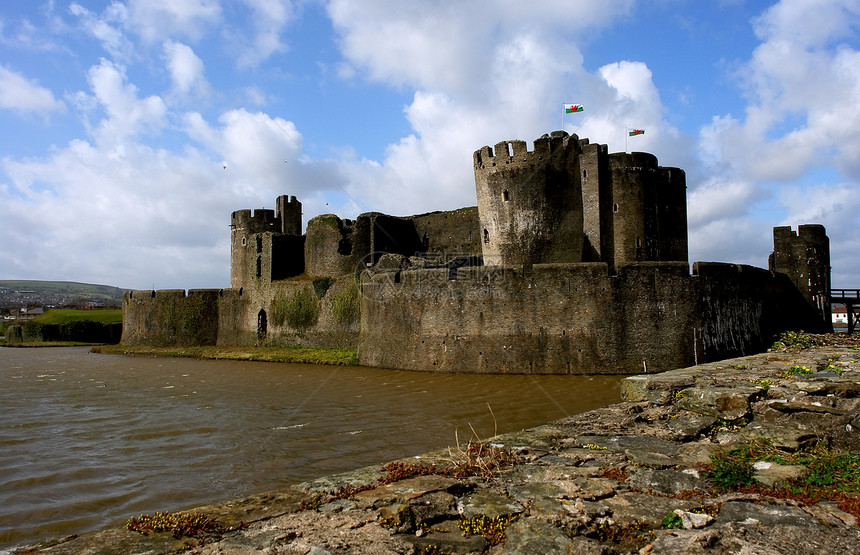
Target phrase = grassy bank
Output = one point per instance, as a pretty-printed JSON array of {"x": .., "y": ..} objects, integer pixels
[
  {"x": 66, "y": 315},
  {"x": 340, "y": 357}
]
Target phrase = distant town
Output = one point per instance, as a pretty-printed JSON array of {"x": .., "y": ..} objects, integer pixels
[{"x": 25, "y": 299}]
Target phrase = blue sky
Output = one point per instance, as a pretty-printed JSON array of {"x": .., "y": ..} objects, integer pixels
[{"x": 119, "y": 116}]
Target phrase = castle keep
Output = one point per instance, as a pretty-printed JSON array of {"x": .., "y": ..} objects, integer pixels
[{"x": 573, "y": 261}]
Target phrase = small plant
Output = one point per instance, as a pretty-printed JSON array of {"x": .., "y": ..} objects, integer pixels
[
  {"x": 179, "y": 525},
  {"x": 673, "y": 521},
  {"x": 311, "y": 504},
  {"x": 795, "y": 340},
  {"x": 731, "y": 471},
  {"x": 798, "y": 370},
  {"x": 493, "y": 529},
  {"x": 833, "y": 364}
]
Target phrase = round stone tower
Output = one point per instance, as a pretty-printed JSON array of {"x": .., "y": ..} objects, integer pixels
[
  {"x": 530, "y": 202},
  {"x": 649, "y": 209}
]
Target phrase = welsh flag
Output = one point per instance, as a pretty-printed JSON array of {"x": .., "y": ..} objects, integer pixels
[
  {"x": 571, "y": 108},
  {"x": 637, "y": 132}
]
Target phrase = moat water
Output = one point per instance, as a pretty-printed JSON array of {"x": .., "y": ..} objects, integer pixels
[{"x": 89, "y": 440}]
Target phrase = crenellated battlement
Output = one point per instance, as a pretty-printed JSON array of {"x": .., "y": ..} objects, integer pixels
[
  {"x": 513, "y": 153},
  {"x": 255, "y": 221}
]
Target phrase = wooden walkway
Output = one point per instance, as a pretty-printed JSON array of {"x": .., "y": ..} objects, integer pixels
[{"x": 851, "y": 299}]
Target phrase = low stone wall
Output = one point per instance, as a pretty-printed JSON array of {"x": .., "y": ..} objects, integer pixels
[{"x": 627, "y": 478}]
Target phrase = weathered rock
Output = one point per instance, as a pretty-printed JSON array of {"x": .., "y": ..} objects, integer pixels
[
  {"x": 527, "y": 536},
  {"x": 772, "y": 475},
  {"x": 667, "y": 482},
  {"x": 631, "y": 508},
  {"x": 769, "y": 515},
  {"x": 729, "y": 403},
  {"x": 692, "y": 520},
  {"x": 784, "y": 434},
  {"x": 690, "y": 427},
  {"x": 488, "y": 504}
]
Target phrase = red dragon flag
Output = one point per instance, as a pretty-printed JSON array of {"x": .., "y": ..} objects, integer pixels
[
  {"x": 571, "y": 108},
  {"x": 635, "y": 132}
]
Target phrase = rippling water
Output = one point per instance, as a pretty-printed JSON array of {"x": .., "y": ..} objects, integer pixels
[{"x": 88, "y": 440}]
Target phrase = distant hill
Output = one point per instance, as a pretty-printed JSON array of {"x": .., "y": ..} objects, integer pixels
[{"x": 57, "y": 293}]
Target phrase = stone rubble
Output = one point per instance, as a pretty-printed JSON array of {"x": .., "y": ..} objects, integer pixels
[{"x": 600, "y": 482}]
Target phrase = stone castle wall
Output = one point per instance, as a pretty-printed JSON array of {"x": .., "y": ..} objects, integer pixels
[{"x": 571, "y": 318}]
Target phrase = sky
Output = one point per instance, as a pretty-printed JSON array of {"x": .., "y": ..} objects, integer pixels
[{"x": 131, "y": 129}]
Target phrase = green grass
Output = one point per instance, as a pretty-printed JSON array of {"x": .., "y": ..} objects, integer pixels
[
  {"x": 340, "y": 357},
  {"x": 66, "y": 315}
]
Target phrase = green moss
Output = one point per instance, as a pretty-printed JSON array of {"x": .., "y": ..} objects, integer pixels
[
  {"x": 346, "y": 308},
  {"x": 321, "y": 286},
  {"x": 300, "y": 310}
]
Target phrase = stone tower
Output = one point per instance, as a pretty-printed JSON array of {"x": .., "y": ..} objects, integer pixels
[
  {"x": 530, "y": 202},
  {"x": 648, "y": 212},
  {"x": 804, "y": 257},
  {"x": 263, "y": 244},
  {"x": 289, "y": 212}
]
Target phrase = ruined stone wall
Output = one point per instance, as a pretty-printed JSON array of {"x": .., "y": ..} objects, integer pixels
[
  {"x": 446, "y": 235},
  {"x": 330, "y": 246},
  {"x": 804, "y": 258},
  {"x": 170, "y": 317},
  {"x": 274, "y": 315}
]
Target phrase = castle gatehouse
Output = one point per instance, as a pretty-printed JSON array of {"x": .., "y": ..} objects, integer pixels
[{"x": 574, "y": 261}]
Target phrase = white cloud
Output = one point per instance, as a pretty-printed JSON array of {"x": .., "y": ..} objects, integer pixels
[
  {"x": 156, "y": 20},
  {"x": 106, "y": 28},
  {"x": 186, "y": 70},
  {"x": 25, "y": 95},
  {"x": 269, "y": 18},
  {"x": 127, "y": 115}
]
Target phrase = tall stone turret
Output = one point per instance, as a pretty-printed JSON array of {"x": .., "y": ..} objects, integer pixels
[
  {"x": 804, "y": 257},
  {"x": 648, "y": 210},
  {"x": 530, "y": 202},
  {"x": 266, "y": 245},
  {"x": 289, "y": 212}
]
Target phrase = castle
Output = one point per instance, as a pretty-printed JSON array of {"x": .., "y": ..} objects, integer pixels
[{"x": 573, "y": 261}]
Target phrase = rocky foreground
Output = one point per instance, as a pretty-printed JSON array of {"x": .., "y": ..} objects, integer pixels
[{"x": 759, "y": 455}]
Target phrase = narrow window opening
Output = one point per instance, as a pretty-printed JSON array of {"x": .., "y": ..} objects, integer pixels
[
  {"x": 259, "y": 266},
  {"x": 638, "y": 242},
  {"x": 259, "y": 244},
  {"x": 244, "y": 240},
  {"x": 585, "y": 174},
  {"x": 486, "y": 236},
  {"x": 506, "y": 196},
  {"x": 615, "y": 207}
]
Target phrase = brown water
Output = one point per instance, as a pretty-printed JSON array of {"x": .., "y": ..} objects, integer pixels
[{"x": 89, "y": 440}]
